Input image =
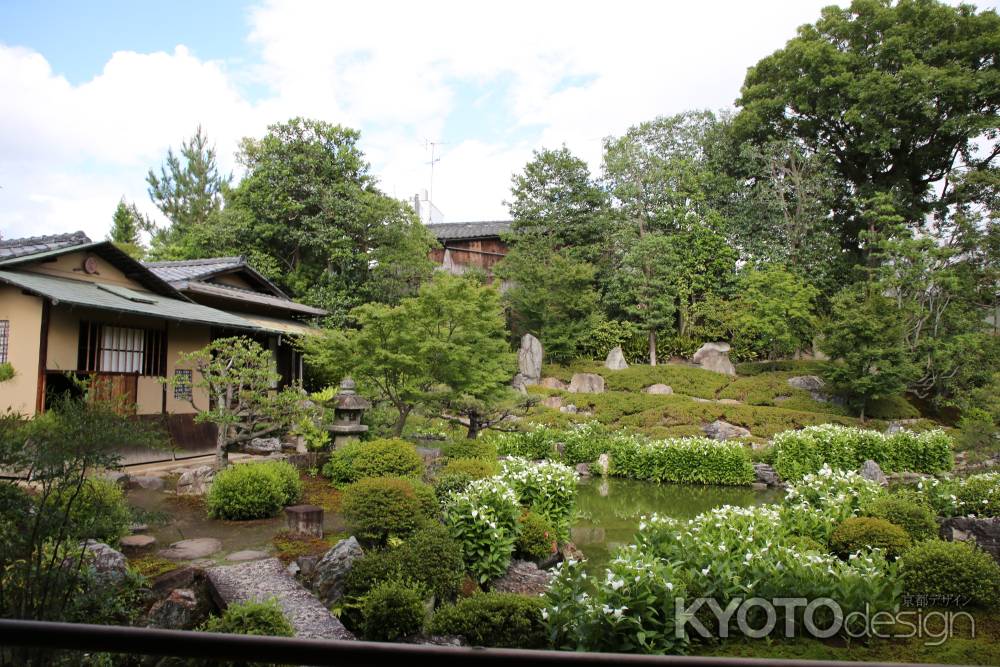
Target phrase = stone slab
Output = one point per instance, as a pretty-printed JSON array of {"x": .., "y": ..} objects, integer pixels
[{"x": 199, "y": 547}]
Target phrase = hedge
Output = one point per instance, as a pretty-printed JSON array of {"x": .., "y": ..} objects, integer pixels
[{"x": 692, "y": 460}]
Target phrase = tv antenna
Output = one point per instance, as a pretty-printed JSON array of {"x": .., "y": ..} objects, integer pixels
[{"x": 433, "y": 146}]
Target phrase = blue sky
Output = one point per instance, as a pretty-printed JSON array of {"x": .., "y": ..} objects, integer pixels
[{"x": 93, "y": 94}]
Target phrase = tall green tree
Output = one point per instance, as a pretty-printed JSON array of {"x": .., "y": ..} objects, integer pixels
[
  {"x": 897, "y": 93},
  {"x": 126, "y": 225},
  {"x": 773, "y": 313}
]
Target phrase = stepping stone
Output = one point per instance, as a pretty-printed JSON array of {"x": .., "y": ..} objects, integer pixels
[
  {"x": 138, "y": 528},
  {"x": 137, "y": 545},
  {"x": 147, "y": 482},
  {"x": 245, "y": 555},
  {"x": 264, "y": 579},
  {"x": 200, "y": 547}
]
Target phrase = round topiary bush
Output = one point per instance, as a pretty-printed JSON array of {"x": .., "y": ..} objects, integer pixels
[
  {"x": 536, "y": 538},
  {"x": 473, "y": 468},
  {"x": 860, "y": 533},
  {"x": 253, "y": 490},
  {"x": 453, "y": 482},
  {"x": 377, "y": 507},
  {"x": 392, "y": 610},
  {"x": 100, "y": 510},
  {"x": 470, "y": 449},
  {"x": 390, "y": 457},
  {"x": 951, "y": 569},
  {"x": 905, "y": 511},
  {"x": 251, "y": 618},
  {"x": 494, "y": 619}
]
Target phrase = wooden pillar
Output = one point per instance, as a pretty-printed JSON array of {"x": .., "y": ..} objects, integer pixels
[{"x": 43, "y": 356}]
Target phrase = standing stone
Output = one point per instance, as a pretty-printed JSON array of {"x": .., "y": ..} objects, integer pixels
[
  {"x": 604, "y": 463},
  {"x": 529, "y": 359},
  {"x": 330, "y": 578},
  {"x": 663, "y": 389},
  {"x": 872, "y": 471},
  {"x": 586, "y": 383},
  {"x": 722, "y": 430},
  {"x": 106, "y": 561},
  {"x": 983, "y": 532},
  {"x": 714, "y": 357},
  {"x": 616, "y": 359}
]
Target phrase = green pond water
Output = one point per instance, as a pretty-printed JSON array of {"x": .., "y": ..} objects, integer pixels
[{"x": 609, "y": 510}]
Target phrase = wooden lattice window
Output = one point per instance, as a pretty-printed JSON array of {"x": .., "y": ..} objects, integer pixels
[
  {"x": 112, "y": 349},
  {"x": 4, "y": 338}
]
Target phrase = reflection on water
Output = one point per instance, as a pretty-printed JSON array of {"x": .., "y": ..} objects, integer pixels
[{"x": 609, "y": 510}]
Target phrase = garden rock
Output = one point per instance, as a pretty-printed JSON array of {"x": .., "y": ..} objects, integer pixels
[
  {"x": 137, "y": 545},
  {"x": 811, "y": 383},
  {"x": 985, "y": 533},
  {"x": 200, "y": 547},
  {"x": 571, "y": 409},
  {"x": 583, "y": 469},
  {"x": 722, "y": 430},
  {"x": 429, "y": 454},
  {"x": 183, "y": 577},
  {"x": 898, "y": 425},
  {"x": 552, "y": 383},
  {"x": 663, "y": 389},
  {"x": 525, "y": 578},
  {"x": 616, "y": 359},
  {"x": 147, "y": 482},
  {"x": 331, "y": 571},
  {"x": 586, "y": 383},
  {"x": 729, "y": 401},
  {"x": 569, "y": 551},
  {"x": 529, "y": 359},
  {"x": 195, "y": 481},
  {"x": 182, "y": 609},
  {"x": 714, "y": 357},
  {"x": 758, "y": 486},
  {"x": 264, "y": 579},
  {"x": 263, "y": 446},
  {"x": 106, "y": 561},
  {"x": 604, "y": 463},
  {"x": 765, "y": 474},
  {"x": 553, "y": 402},
  {"x": 520, "y": 383},
  {"x": 871, "y": 470},
  {"x": 245, "y": 555},
  {"x": 117, "y": 477}
]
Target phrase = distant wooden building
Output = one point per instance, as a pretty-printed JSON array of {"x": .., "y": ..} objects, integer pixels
[{"x": 469, "y": 245}]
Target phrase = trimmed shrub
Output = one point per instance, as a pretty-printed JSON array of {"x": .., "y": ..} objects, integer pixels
[
  {"x": 696, "y": 460},
  {"x": 99, "y": 512},
  {"x": 905, "y": 511},
  {"x": 392, "y": 610},
  {"x": 856, "y": 534},
  {"x": 798, "y": 453},
  {"x": 251, "y": 618},
  {"x": 389, "y": 457},
  {"x": 253, "y": 490},
  {"x": 538, "y": 443},
  {"x": 470, "y": 449},
  {"x": 936, "y": 568},
  {"x": 447, "y": 484},
  {"x": 494, "y": 619},
  {"x": 536, "y": 538},
  {"x": 472, "y": 468},
  {"x": 378, "y": 507}
]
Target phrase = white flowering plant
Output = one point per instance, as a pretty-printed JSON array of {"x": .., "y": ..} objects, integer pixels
[
  {"x": 483, "y": 520},
  {"x": 546, "y": 488},
  {"x": 976, "y": 495},
  {"x": 692, "y": 460}
]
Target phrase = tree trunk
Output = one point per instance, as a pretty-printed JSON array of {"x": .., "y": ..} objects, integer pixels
[
  {"x": 222, "y": 447},
  {"x": 652, "y": 347},
  {"x": 474, "y": 427},
  {"x": 397, "y": 428}
]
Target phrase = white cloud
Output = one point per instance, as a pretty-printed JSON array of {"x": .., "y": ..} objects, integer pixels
[{"x": 565, "y": 72}]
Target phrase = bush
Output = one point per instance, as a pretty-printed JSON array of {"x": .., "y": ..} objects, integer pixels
[
  {"x": 378, "y": 458},
  {"x": 376, "y": 508},
  {"x": 538, "y": 443},
  {"x": 546, "y": 488},
  {"x": 494, "y": 619},
  {"x": 954, "y": 569},
  {"x": 536, "y": 538},
  {"x": 483, "y": 520},
  {"x": 253, "y": 490},
  {"x": 697, "y": 460},
  {"x": 447, "y": 484},
  {"x": 470, "y": 449},
  {"x": 856, "y": 534},
  {"x": 584, "y": 443},
  {"x": 472, "y": 468},
  {"x": 99, "y": 512},
  {"x": 251, "y": 618},
  {"x": 905, "y": 511},
  {"x": 392, "y": 610},
  {"x": 977, "y": 495},
  {"x": 799, "y": 453}
]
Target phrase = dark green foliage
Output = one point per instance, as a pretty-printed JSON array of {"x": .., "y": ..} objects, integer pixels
[
  {"x": 391, "y": 611},
  {"x": 100, "y": 511},
  {"x": 379, "y": 507},
  {"x": 253, "y": 490},
  {"x": 6, "y": 371},
  {"x": 861, "y": 533},
  {"x": 696, "y": 460},
  {"x": 251, "y": 618},
  {"x": 503, "y": 620},
  {"x": 446, "y": 484},
  {"x": 470, "y": 449},
  {"x": 806, "y": 367},
  {"x": 536, "y": 538},
  {"x": 473, "y": 468},
  {"x": 378, "y": 458},
  {"x": 904, "y": 510},
  {"x": 952, "y": 569}
]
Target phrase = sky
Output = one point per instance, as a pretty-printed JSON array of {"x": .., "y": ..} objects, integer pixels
[{"x": 93, "y": 94}]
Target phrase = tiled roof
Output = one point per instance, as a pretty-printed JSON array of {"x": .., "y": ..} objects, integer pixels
[
  {"x": 192, "y": 269},
  {"x": 240, "y": 294},
  {"x": 447, "y": 231},
  {"x": 10, "y": 248}
]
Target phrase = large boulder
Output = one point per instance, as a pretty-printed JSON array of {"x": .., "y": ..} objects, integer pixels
[
  {"x": 983, "y": 532},
  {"x": 586, "y": 383},
  {"x": 182, "y": 609},
  {"x": 525, "y": 578},
  {"x": 714, "y": 357},
  {"x": 552, "y": 383},
  {"x": 553, "y": 402},
  {"x": 765, "y": 474},
  {"x": 813, "y": 384},
  {"x": 664, "y": 389},
  {"x": 872, "y": 471},
  {"x": 616, "y": 359},
  {"x": 107, "y": 562},
  {"x": 148, "y": 482},
  {"x": 330, "y": 577},
  {"x": 529, "y": 359},
  {"x": 723, "y": 430},
  {"x": 195, "y": 481},
  {"x": 263, "y": 446}
]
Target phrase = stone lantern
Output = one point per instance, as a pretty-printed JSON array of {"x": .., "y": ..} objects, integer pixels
[{"x": 347, "y": 410}]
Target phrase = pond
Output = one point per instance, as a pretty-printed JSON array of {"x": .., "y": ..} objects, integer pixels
[{"x": 609, "y": 510}]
